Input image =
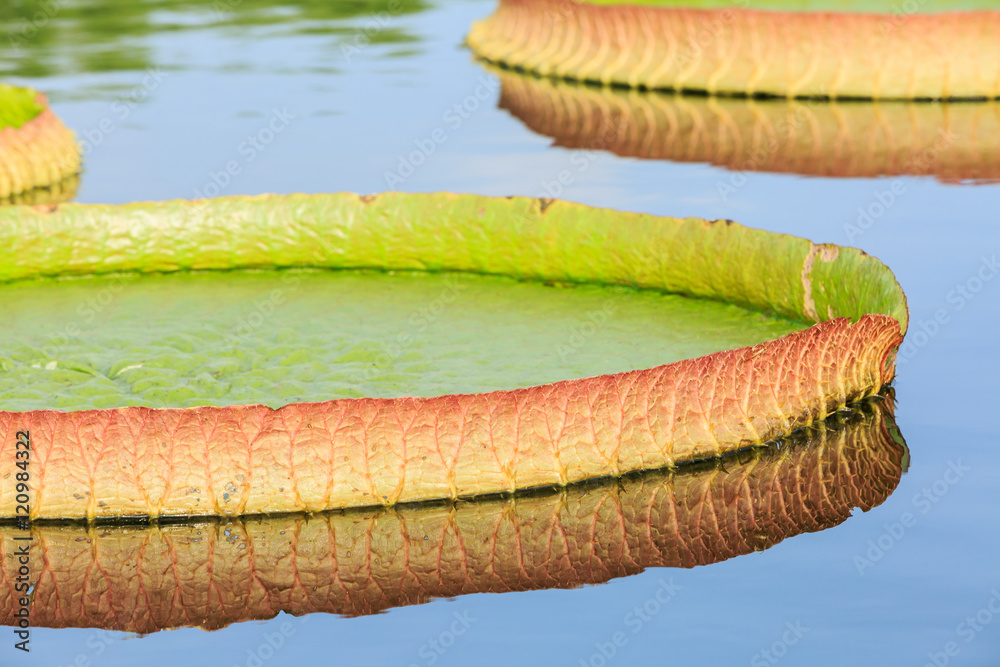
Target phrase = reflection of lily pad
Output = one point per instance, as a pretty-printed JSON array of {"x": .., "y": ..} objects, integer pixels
[
  {"x": 956, "y": 142},
  {"x": 211, "y": 574},
  {"x": 58, "y": 193},
  {"x": 359, "y": 452},
  {"x": 36, "y": 149},
  {"x": 745, "y": 49}
]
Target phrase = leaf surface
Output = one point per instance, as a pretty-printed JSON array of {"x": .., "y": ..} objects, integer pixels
[{"x": 252, "y": 459}]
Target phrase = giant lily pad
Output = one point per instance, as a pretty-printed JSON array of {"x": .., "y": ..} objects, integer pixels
[
  {"x": 350, "y": 452},
  {"x": 955, "y": 142},
  {"x": 211, "y": 574},
  {"x": 871, "y": 50},
  {"x": 36, "y": 149}
]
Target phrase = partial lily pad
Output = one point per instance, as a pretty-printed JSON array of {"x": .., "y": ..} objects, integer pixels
[
  {"x": 36, "y": 149},
  {"x": 871, "y": 51},
  {"x": 954, "y": 142},
  {"x": 212, "y": 574},
  {"x": 899, "y": 7},
  {"x": 18, "y": 106},
  {"x": 351, "y": 452}
]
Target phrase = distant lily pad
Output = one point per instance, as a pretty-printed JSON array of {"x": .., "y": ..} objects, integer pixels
[
  {"x": 37, "y": 152},
  {"x": 864, "y": 49}
]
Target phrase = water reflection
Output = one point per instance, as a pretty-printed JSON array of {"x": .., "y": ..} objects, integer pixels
[
  {"x": 955, "y": 142},
  {"x": 47, "y": 38},
  {"x": 144, "y": 579},
  {"x": 59, "y": 193}
]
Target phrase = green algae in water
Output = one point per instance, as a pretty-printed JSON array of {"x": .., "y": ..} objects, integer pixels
[
  {"x": 276, "y": 337},
  {"x": 18, "y": 106}
]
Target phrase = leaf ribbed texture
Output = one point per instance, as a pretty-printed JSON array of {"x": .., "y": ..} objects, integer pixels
[
  {"x": 355, "y": 563},
  {"x": 945, "y": 55},
  {"x": 146, "y": 462},
  {"x": 38, "y": 154}
]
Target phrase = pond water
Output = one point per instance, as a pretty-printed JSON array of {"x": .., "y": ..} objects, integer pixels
[{"x": 181, "y": 99}]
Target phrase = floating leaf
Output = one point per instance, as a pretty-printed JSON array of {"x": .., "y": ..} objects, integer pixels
[
  {"x": 36, "y": 149},
  {"x": 742, "y": 51},
  {"x": 141, "y": 462}
]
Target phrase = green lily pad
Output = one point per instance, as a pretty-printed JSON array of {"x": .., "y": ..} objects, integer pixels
[
  {"x": 282, "y": 337},
  {"x": 675, "y": 288}
]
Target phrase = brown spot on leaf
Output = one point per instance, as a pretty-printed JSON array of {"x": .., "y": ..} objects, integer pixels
[{"x": 809, "y": 304}]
